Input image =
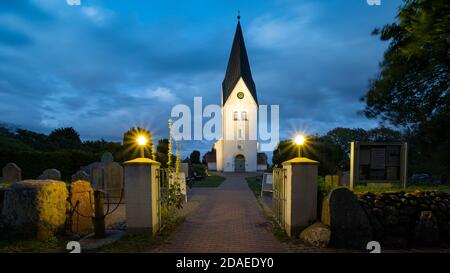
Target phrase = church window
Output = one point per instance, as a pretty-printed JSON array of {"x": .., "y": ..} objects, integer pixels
[
  {"x": 240, "y": 133},
  {"x": 236, "y": 115},
  {"x": 244, "y": 115}
]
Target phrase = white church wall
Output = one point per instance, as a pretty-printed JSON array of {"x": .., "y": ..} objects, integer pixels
[{"x": 235, "y": 142}]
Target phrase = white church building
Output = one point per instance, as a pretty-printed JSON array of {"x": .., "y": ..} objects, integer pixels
[{"x": 237, "y": 149}]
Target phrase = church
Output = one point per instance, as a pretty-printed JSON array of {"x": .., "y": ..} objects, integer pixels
[{"x": 237, "y": 149}]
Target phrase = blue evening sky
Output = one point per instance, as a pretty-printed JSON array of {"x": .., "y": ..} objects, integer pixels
[{"x": 105, "y": 66}]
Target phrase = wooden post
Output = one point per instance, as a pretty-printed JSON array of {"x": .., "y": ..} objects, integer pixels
[{"x": 99, "y": 219}]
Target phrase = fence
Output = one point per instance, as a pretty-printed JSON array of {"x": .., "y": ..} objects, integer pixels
[{"x": 279, "y": 196}]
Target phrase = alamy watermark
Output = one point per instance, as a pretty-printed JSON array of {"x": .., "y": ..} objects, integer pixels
[
  {"x": 240, "y": 123},
  {"x": 73, "y": 2},
  {"x": 373, "y": 2}
]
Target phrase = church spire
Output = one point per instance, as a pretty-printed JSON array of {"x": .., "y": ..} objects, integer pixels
[{"x": 238, "y": 66}]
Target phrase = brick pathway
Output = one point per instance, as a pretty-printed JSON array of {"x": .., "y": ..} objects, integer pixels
[{"x": 227, "y": 219}]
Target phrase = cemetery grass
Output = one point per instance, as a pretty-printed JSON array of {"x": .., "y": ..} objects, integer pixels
[
  {"x": 52, "y": 245},
  {"x": 135, "y": 243},
  {"x": 254, "y": 184},
  {"x": 211, "y": 181}
]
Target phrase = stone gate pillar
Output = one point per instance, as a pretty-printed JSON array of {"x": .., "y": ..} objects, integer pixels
[
  {"x": 301, "y": 194},
  {"x": 141, "y": 185}
]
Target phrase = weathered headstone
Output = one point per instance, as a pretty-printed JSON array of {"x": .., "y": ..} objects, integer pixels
[
  {"x": 107, "y": 158},
  {"x": 80, "y": 175},
  {"x": 35, "y": 209},
  {"x": 52, "y": 174},
  {"x": 11, "y": 173},
  {"x": 82, "y": 205},
  {"x": 350, "y": 226},
  {"x": 89, "y": 168},
  {"x": 113, "y": 179},
  {"x": 97, "y": 178}
]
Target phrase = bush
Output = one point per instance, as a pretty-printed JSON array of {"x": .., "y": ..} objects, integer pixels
[
  {"x": 33, "y": 163},
  {"x": 199, "y": 169}
]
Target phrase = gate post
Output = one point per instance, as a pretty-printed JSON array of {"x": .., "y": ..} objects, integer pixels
[
  {"x": 141, "y": 183},
  {"x": 301, "y": 194}
]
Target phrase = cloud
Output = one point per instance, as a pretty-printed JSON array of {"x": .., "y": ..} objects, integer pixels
[
  {"x": 103, "y": 67},
  {"x": 161, "y": 93}
]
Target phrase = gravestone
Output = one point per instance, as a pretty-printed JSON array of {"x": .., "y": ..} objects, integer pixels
[
  {"x": 89, "y": 168},
  {"x": 51, "y": 174},
  {"x": 35, "y": 209},
  {"x": 113, "y": 179},
  {"x": 82, "y": 198},
  {"x": 107, "y": 158},
  {"x": 80, "y": 175},
  {"x": 349, "y": 224},
  {"x": 11, "y": 173},
  {"x": 97, "y": 178}
]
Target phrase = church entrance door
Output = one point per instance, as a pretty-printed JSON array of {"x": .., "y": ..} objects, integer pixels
[{"x": 239, "y": 163}]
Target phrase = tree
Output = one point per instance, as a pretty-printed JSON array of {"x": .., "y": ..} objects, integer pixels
[
  {"x": 163, "y": 146},
  {"x": 411, "y": 89},
  {"x": 195, "y": 157},
  {"x": 383, "y": 134},
  {"x": 343, "y": 137},
  {"x": 65, "y": 138}
]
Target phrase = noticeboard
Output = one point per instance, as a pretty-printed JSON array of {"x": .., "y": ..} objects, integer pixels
[{"x": 378, "y": 162}]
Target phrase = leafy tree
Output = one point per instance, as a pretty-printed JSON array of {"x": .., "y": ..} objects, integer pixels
[
  {"x": 195, "y": 157},
  {"x": 36, "y": 140},
  {"x": 383, "y": 134},
  {"x": 343, "y": 137},
  {"x": 163, "y": 146},
  {"x": 65, "y": 138},
  {"x": 411, "y": 89},
  {"x": 329, "y": 154}
]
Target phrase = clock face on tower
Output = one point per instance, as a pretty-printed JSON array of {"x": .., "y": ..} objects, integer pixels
[{"x": 240, "y": 95}]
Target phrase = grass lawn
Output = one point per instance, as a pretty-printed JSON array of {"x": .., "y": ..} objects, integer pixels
[
  {"x": 210, "y": 181},
  {"x": 255, "y": 184},
  {"x": 412, "y": 188},
  {"x": 54, "y": 244}
]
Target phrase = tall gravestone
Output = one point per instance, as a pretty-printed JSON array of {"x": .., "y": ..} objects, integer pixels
[
  {"x": 11, "y": 173},
  {"x": 113, "y": 179},
  {"x": 97, "y": 178},
  {"x": 349, "y": 224},
  {"x": 82, "y": 205},
  {"x": 107, "y": 158}
]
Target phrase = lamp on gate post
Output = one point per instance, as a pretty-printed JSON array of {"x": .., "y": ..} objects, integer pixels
[
  {"x": 142, "y": 142},
  {"x": 299, "y": 141}
]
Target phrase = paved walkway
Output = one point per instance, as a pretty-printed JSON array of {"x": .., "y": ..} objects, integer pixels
[{"x": 227, "y": 219}]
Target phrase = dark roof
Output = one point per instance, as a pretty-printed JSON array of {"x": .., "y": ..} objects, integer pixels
[
  {"x": 210, "y": 157},
  {"x": 238, "y": 66}
]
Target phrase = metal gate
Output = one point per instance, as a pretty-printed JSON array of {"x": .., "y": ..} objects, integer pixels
[{"x": 279, "y": 196}]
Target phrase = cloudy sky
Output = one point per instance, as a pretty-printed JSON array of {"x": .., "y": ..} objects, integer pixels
[{"x": 105, "y": 66}]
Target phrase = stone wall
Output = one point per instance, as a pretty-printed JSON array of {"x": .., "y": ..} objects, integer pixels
[{"x": 402, "y": 219}]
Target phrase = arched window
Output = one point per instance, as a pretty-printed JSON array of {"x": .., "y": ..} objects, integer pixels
[
  {"x": 244, "y": 115},
  {"x": 236, "y": 115}
]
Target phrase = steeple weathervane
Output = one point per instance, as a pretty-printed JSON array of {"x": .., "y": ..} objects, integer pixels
[{"x": 239, "y": 15}]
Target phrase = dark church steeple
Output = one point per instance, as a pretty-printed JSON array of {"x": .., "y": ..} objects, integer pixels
[{"x": 238, "y": 66}]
